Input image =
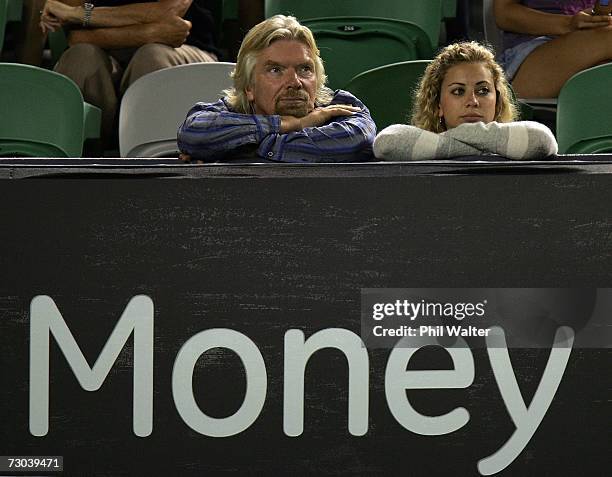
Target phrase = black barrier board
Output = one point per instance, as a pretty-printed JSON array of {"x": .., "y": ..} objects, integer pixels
[{"x": 203, "y": 299}]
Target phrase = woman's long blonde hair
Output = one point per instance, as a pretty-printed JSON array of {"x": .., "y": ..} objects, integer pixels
[{"x": 427, "y": 101}]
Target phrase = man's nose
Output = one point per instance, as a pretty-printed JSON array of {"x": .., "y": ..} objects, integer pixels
[{"x": 293, "y": 79}]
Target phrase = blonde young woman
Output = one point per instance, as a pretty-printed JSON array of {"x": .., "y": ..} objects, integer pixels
[{"x": 464, "y": 107}]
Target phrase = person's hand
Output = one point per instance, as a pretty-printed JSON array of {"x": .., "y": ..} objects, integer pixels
[
  {"x": 172, "y": 32},
  {"x": 186, "y": 158},
  {"x": 584, "y": 20},
  {"x": 317, "y": 117},
  {"x": 48, "y": 24},
  {"x": 56, "y": 14}
]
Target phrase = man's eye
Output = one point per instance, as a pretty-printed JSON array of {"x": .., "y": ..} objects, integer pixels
[
  {"x": 274, "y": 69},
  {"x": 306, "y": 70},
  {"x": 483, "y": 91},
  {"x": 457, "y": 91}
]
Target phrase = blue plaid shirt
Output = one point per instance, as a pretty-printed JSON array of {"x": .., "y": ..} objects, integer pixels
[{"x": 212, "y": 132}]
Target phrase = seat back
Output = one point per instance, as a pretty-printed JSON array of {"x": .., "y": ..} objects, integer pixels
[
  {"x": 10, "y": 10},
  {"x": 427, "y": 14},
  {"x": 352, "y": 45},
  {"x": 584, "y": 122},
  {"x": 58, "y": 43},
  {"x": 388, "y": 91},
  {"x": 217, "y": 9},
  {"x": 42, "y": 113},
  {"x": 492, "y": 33},
  {"x": 154, "y": 106}
]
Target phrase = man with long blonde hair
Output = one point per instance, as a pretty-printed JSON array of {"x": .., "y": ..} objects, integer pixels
[{"x": 279, "y": 107}]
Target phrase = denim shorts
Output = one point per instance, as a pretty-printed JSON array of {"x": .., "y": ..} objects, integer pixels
[{"x": 512, "y": 58}]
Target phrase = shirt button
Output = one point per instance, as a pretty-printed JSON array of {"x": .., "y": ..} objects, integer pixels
[{"x": 270, "y": 154}]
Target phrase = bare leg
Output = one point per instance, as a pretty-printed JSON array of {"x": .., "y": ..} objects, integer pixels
[{"x": 549, "y": 66}]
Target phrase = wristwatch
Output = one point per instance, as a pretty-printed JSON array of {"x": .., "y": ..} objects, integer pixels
[{"x": 87, "y": 11}]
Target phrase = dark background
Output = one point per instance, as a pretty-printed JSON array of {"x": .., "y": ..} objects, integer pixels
[{"x": 262, "y": 251}]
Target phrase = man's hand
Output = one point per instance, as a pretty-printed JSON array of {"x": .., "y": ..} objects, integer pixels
[
  {"x": 317, "y": 117},
  {"x": 56, "y": 14},
  {"x": 172, "y": 32},
  {"x": 186, "y": 158}
]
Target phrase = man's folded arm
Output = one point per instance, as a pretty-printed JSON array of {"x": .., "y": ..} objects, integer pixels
[
  {"x": 345, "y": 139},
  {"x": 123, "y": 15},
  {"x": 132, "y": 36},
  {"x": 172, "y": 32},
  {"x": 149, "y": 12},
  {"x": 212, "y": 132}
]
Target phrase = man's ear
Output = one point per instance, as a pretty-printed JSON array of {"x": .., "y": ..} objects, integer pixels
[{"x": 249, "y": 94}]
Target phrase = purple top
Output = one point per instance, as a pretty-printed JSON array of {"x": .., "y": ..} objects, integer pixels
[{"x": 563, "y": 7}]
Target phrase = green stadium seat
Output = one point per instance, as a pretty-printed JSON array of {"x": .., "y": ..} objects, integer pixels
[
  {"x": 428, "y": 14},
  {"x": 10, "y": 11},
  {"x": 388, "y": 91},
  {"x": 43, "y": 114},
  {"x": 584, "y": 121},
  {"x": 351, "y": 45}
]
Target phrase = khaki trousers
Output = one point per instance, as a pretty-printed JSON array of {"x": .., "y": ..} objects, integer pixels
[{"x": 103, "y": 76}]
